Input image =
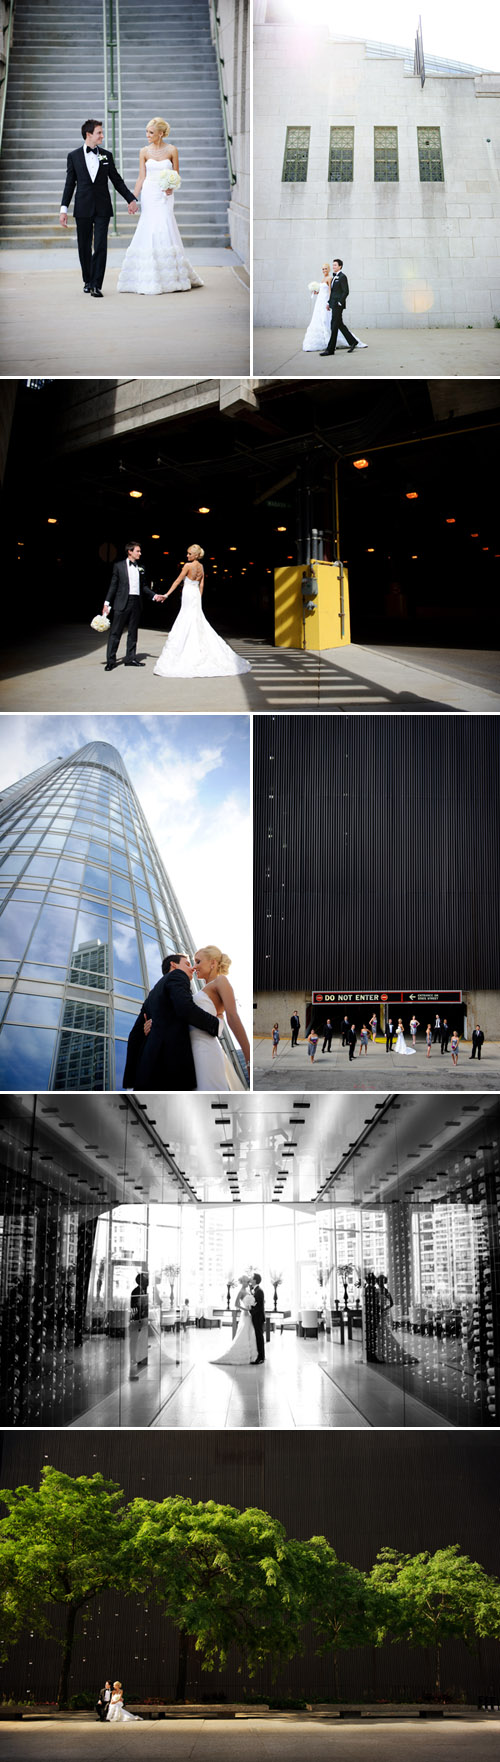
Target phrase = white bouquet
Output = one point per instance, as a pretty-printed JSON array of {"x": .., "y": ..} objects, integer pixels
[
  {"x": 169, "y": 179},
  {"x": 100, "y": 623},
  {"x": 314, "y": 287}
]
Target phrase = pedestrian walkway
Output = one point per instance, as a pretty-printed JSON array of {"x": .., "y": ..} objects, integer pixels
[
  {"x": 374, "y": 1070},
  {"x": 65, "y": 666},
  {"x": 282, "y": 1737},
  {"x": 50, "y": 328},
  {"x": 394, "y": 354}
]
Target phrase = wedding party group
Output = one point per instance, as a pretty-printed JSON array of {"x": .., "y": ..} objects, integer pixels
[
  {"x": 193, "y": 650},
  {"x": 175, "y": 1041},
  {"x": 328, "y": 330},
  {"x": 155, "y": 262}
]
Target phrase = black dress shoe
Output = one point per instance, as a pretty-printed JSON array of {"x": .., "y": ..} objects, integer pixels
[
  {"x": 96, "y": 293},
  {"x": 110, "y": 666},
  {"x": 87, "y": 288},
  {"x": 327, "y": 351},
  {"x": 352, "y": 347},
  {"x": 133, "y": 663}
]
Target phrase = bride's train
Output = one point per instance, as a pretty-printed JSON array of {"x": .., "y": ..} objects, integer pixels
[
  {"x": 155, "y": 262},
  {"x": 193, "y": 650}
]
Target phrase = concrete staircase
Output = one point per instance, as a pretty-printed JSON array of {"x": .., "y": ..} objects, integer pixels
[{"x": 168, "y": 68}]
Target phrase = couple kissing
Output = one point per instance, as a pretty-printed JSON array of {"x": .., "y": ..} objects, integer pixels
[{"x": 175, "y": 1042}]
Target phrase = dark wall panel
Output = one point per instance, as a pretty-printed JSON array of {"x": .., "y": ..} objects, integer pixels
[
  {"x": 411, "y": 1492},
  {"x": 376, "y": 852}
]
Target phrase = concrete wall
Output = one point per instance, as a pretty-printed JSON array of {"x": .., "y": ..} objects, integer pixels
[
  {"x": 235, "y": 47},
  {"x": 95, "y": 410},
  {"x": 277, "y": 1006},
  {"x": 483, "y": 1007},
  {"x": 416, "y": 254}
]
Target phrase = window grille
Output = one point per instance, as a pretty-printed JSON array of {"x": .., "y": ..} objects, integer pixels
[
  {"x": 341, "y": 162},
  {"x": 430, "y": 157},
  {"x": 296, "y": 156},
  {"x": 386, "y": 156}
]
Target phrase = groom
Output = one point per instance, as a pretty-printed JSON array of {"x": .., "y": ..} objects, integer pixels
[
  {"x": 160, "y": 1056},
  {"x": 339, "y": 293},
  {"x": 258, "y": 1315},
  {"x": 88, "y": 170},
  {"x": 125, "y": 601}
]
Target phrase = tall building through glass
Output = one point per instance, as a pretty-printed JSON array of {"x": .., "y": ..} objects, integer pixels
[{"x": 86, "y": 915}]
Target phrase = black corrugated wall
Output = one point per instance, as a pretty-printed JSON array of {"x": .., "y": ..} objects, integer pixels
[
  {"x": 410, "y": 1491},
  {"x": 377, "y": 852}
]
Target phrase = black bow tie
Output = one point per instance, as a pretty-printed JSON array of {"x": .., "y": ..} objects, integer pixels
[{"x": 91, "y": 149}]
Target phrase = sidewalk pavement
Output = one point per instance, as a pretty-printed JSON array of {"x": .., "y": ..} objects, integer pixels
[
  {"x": 258, "y": 1740},
  {"x": 390, "y": 354},
  {"x": 63, "y": 668},
  {"x": 50, "y": 327},
  {"x": 375, "y": 1070}
]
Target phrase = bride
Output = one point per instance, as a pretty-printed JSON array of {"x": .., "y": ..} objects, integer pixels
[
  {"x": 193, "y": 650},
  {"x": 155, "y": 262},
  {"x": 244, "y": 1346},
  {"x": 116, "y": 1709},
  {"x": 213, "y": 1070},
  {"x": 407, "y": 1051},
  {"x": 317, "y": 335}
]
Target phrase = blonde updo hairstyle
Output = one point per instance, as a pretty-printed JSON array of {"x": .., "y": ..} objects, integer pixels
[
  {"x": 198, "y": 552},
  {"x": 215, "y": 954},
  {"x": 160, "y": 127}
]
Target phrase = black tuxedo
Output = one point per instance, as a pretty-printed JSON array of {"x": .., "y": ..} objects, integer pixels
[
  {"x": 101, "y": 1705},
  {"x": 127, "y": 609},
  {"x": 328, "y": 1038},
  {"x": 352, "y": 1039},
  {"x": 93, "y": 209},
  {"x": 390, "y": 1034},
  {"x": 445, "y": 1035},
  {"x": 345, "y": 1031},
  {"x": 163, "y": 1058},
  {"x": 477, "y": 1042},
  {"x": 295, "y": 1025},
  {"x": 339, "y": 293},
  {"x": 258, "y": 1314}
]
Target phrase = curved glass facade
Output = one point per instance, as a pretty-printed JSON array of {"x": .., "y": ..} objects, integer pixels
[{"x": 86, "y": 915}]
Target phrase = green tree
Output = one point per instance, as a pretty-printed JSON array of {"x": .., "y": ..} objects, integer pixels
[
  {"x": 223, "y": 1576},
  {"x": 427, "y": 1598},
  {"x": 60, "y": 1546},
  {"x": 338, "y": 1599}
]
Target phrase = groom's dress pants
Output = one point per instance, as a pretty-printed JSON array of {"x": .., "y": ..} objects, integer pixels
[
  {"x": 129, "y": 616},
  {"x": 338, "y": 324},
  {"x": 93, "y": 260}
]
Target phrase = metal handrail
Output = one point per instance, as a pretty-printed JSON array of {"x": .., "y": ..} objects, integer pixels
[
  {"x": 223, "y": 94},
  {"x": 3, "y": 99},
  {"x": 119, "y": 88},
  {"x": 113, "y": 79}
]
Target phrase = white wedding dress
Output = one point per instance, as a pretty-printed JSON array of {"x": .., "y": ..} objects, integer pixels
[
  {"x": 118, "y": 1712},
  {"x": 155, "y": 262},
  {"x": 318, "y": 333},
  {"x": 208, "y": 1054},
  {"x": 193, "y": 650},
  {"x": 243, "y": 1348},
  {"x": 406, "y": 1051}
]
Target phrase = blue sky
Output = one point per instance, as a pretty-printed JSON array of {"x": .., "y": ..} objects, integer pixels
[{"x": 191, "y": 774}]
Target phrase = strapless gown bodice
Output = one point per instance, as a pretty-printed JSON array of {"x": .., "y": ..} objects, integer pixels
[
  {"x": 193, "y": 650},
  {"x": 155, "y": 262}
]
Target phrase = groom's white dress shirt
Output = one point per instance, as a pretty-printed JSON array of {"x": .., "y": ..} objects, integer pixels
[
  {"x": 92, "y": 164},
  {"x": 134, "y": 580}
]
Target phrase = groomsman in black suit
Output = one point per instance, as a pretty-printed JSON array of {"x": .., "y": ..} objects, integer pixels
[
  {"x": 327, "y": 1043},
  {"x": 445, "y": 1035},
  {"x": 125, "y": 600},
  {"x": 295, "y": 1025},
  {"x": 345, "y": 1031},
  {"x": 352, "y": 1041},
  {"x": 477, "y": 1041},
  {"x": 389, "y": 1035},
  {"x": 88, "y": 170}
]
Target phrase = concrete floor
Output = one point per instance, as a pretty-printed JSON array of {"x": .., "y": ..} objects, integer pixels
[
  {"x": 63, "y": 669},
  {"x": 374, "y": 1070},
  {"x": 393, "y": 354},
  {"x": 50, "y": 327},
  {"x": 256, "y": 1740}
]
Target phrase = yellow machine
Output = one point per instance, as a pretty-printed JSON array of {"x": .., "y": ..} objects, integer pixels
[{"x": 311, "y": 606}]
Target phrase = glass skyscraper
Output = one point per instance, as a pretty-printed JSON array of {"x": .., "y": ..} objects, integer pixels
[{"x": 86, "y": 915}]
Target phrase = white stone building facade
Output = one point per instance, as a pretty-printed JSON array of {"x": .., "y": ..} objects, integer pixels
[{"x": 400, "y": 180}]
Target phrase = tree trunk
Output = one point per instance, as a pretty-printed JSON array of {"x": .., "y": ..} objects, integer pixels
[
  {"x": 184, "y": 1638},
  {"x": 438, "y": 1667},
  {"x": 336, "y": 1674},
  {"x": 67, "y": 1651}
]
